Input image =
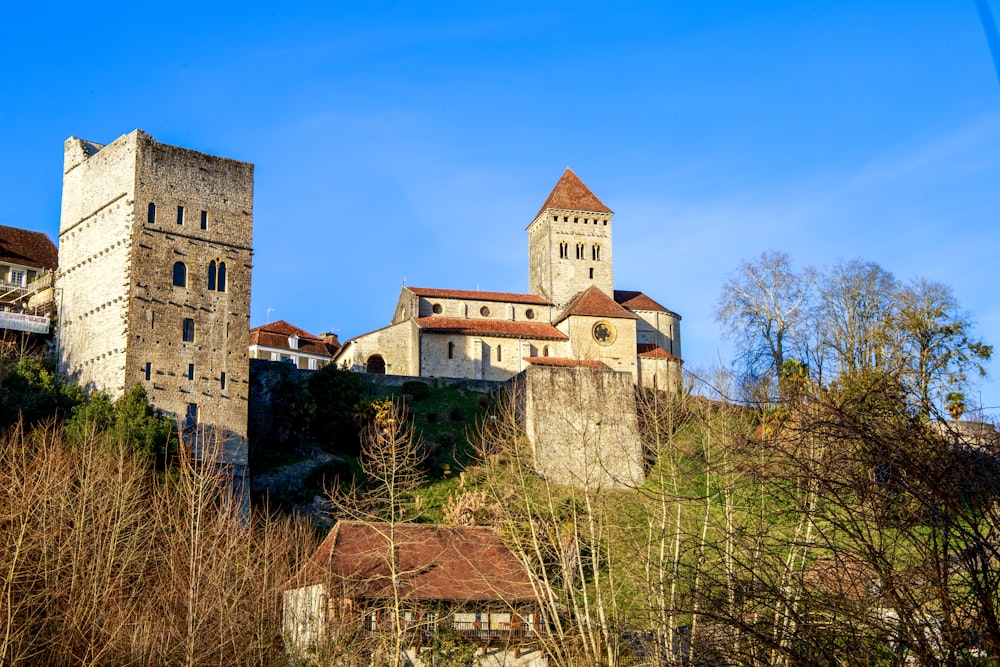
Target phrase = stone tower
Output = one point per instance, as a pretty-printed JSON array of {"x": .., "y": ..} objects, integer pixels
[
  {"x": 154, "y": 257},
  {"x": 569, "y": 243}
]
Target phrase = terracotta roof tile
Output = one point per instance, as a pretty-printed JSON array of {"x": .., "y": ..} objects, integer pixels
[
  {"x": 27, "y": 248},
  {"x": 434, "y": 562},
  {"x": 593, "y": 302},
  {"x": 567, "y": 363},
  {"x": 276, "y": 334},
  {"x": 653, "y": 351},
  {"x": 571, "y": 194},
  {"x": 639, "y": 301},
  {"x": 485, "y": 327},
  {"x": 479, "y": 296}
]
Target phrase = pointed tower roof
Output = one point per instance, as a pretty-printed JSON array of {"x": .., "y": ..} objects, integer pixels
[{"x": 571, "y": 194}]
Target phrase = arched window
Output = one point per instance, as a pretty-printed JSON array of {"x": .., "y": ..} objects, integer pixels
[
  {"x": 222, "y": 277},
  {"x": 545, "y": 351},
  {"x": 211, "y": 276},
  {"x": 180, "y": 274}
]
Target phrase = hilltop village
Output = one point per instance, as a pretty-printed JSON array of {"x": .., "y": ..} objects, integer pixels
[
  {"x": 153, "y": 287},
  {"x": 493, "y": 478}
]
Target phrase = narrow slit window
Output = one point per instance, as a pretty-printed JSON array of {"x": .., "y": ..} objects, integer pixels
[
  {"x": 190, "y": 371},
  {"x": 204, "y": 219},
  {"x": 451, "y": 350},
  {"x": 188, "y": 330},
  {"x": 222, "y": 381},
  {"x": 499, "y": 353},
  {"x": 591, "y": 273},
  {"x": 221, "y": 286},
  {"x": 149, "y": 371},
  {"x": 151, "y": 213},
  {"x": 180, "y": 215},
  {"x": 211, "y": 276}
]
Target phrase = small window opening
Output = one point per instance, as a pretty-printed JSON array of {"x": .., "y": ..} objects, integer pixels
[
  {"x": 451, "y": 350},
  {"x": 149, "y": 371},
  {"x": 545, "y": 351},
  {"x": 484, "y": 311},
  {"x": 204, "y": 219},
  {"x": 499, "y": 353},
  {"x": 576, "y": 219},
  {"x": 579, "y": 250},
  {"x": 596, "y": 253},
  {"x": 591, "y": 273},
  {"x": 151, "y": 213},
  {"x": 222, "y": 381},
  {"x": 211, "y": 276},
  {"x": 188, "y": 330},
  {"x": 436, "y": 309},
  {"x": 191, "y": 418},
  {"x": 190, "y": 371},
  {"x": 180, "y": 274},
  {"x": 221, "y": 286},
  {"x": 180, "y": 215},
  {"x": 529, "y": 313}
]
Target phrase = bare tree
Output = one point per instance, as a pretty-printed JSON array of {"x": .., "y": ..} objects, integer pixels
[{"x": 763, "y": 308}]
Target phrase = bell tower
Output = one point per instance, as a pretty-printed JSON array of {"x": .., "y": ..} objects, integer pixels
[{"x": 569, "y": 243}]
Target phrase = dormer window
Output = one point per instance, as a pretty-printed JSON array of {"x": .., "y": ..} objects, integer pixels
[{"x": 293, "y": 342}]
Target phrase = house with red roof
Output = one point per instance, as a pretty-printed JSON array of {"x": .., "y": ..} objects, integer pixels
[
  {"x": 370, "y": 579},
  {"x": 572, "y": 312},
  {"x": 27, "y": 260},
  {"x": 284, "y": 342}
]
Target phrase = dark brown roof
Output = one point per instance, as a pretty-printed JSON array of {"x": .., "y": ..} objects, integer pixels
[
  {"x": 276, "y": 334},
  {"x": 432, "y": 562},
  {"x": 475, "y": 295},
  {"x": 571, "y": 194},
  {"x": 593, "y": 302},
  {"x": 27, "y": 248},
  {"x": 486, "y": 327},
  {"x": 653, "y": 351},
  {"x": 639, "y": 301},
  {"x": 567, "y": 363}
]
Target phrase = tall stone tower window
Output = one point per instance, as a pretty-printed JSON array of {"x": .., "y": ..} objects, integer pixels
[
  {"x": 222, "y": 379},
  {"x": 204, "y": 219},
  {"x": 191, "y": 418},
  {"x": 151, "y": 213},
  {"x": 499, "y": 353},
  {"x": 180, "y": 215},
  {"x": 579, "y": 250},
  {"x": 563, "y": 250},
  {"x": 595, "y": 252},
  {"x": 190, "y": 371},
  {"x": 180, "y": 274},
  {"x": 149, "y": 371},
  {"x": 188, "y": 330},
  {"x": 216, "y": 276},
  {"x": 451, "y": 350}
]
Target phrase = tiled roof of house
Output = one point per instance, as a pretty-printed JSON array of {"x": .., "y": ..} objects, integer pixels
[
  {"x": 475, "y": 295},
  {"x": 487, "y": 327},
  {"x": 593, "y": 302},
  {"x": 653, "y": 351},
  {"x": 432, "y": 562},
  {"x": 27, "y": 248},
  {"x": 571, "y": 194},
  {"x": 276, "y": 334},
  {"x": 567, "y": 363},
  {"x": 639, "y": 301}
]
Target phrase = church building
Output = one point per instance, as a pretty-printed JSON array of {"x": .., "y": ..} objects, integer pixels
[{"x": 572, "y": 316}]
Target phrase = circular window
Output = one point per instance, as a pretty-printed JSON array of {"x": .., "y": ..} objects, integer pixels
[
  {"x": 604, "y": 333},
  {"x": 530, "y": 314},
  {"x": 485, "y": 311},
  {"x": 436, "y": 308}
]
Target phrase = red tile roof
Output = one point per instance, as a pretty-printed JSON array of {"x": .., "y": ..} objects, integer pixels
[
  {"x": 276, "y": 334},
  {"x": 475, "y": 295},
  {"x": 639, "y": 301},
  {"x": 432, "y": 562},
  {"x": 571, "y": 194},
  {"x": 653, "y": 351},
  {"x": 485, "y": 327},
  {"x": 593, "y": 302},
  {"x": 567, "y": 363},
  {"x": 27, "y": 248}
]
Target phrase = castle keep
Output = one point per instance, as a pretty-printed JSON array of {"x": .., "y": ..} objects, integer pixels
[{"x": 155, "y": 257}]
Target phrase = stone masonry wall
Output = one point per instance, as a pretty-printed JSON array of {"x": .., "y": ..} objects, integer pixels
[
  {"x": 561, "y": 278},
  {"x": 582, "y": 426},
  {"x": 95, "y": 244}
]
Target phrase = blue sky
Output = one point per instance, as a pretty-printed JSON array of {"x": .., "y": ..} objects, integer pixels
[{"x": 406, "y": 140}]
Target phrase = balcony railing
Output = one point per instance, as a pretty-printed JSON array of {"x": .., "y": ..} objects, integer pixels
[{"x": 482, "y": 632}]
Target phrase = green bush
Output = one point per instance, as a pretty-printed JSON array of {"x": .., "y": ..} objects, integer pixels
[{"x": 417, "y": 389}]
